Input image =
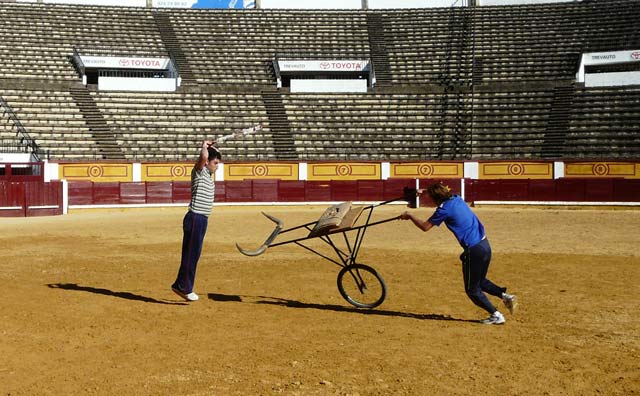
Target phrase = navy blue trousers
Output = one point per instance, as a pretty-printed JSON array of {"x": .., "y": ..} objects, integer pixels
[
  {"x": 475, "y": 265},
  {"x": 194, "y": 226}
]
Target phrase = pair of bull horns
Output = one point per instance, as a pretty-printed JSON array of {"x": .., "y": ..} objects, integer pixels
[{"x": 267, "y": 242}]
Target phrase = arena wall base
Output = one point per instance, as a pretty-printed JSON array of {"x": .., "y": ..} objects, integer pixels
[{"x": 559, "y": 192}]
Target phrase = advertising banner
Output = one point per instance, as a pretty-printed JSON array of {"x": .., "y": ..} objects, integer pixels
[
  {"x": 126, "y": 3},
  {"x": 323, "y": 65},
  {"x": 603, "y": 58},
  {"x": 118, "y": 62},
  {"x": 204, "y": 3}
]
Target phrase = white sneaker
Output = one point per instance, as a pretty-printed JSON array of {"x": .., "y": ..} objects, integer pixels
[
  {"x": 510, "y": 301},
  {"x": 192, "y": 297},
  {"x": 189, "y": 297},
  {"x": 496, "y": 319}
]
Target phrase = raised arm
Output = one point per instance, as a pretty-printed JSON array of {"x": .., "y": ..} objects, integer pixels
[{"x": 204, "y": 154}]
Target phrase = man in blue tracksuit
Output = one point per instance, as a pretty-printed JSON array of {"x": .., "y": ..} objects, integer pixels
[
  {"x": 469, "y": 231},
  {"x": 194, "y": 224}
]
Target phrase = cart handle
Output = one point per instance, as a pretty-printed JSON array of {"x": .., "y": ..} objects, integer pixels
[{"x": 409, "y": 195}]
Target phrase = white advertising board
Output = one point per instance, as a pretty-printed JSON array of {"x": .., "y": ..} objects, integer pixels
[
  {"x": 315, "y": 4},
  {"x": 113, "y": 62},
  {"x": 614, "y": 79},
  {"x": 137, "y": 84},
  {"x": 323, "y": 66},
  {"x": 127, "y": 3},
  {"x": 302, "y": 85},
  {"x": 603, "y": 58}
]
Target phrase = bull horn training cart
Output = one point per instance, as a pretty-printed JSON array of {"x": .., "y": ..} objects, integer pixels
[{"x": 359, "y": 284}]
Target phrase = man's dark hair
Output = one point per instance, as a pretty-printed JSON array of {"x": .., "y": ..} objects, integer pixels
[{"x": 214, "y": 153}]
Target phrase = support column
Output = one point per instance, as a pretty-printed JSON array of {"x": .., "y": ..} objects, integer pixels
[
  {"x": 558, "y": 169},
  {"x": 365, "y": 4}
]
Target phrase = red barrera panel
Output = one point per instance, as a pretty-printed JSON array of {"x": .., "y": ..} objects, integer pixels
[
  {"x": 43, "y": 199},
  {"x": 370, "y": 190},
  {"x": 317, "y": 191},
  {"x": 106, "y": 193},
  {"x": 159, "y": 192},
  {"x": 579, "y": 190},
  {"x": 181, "y": 192},
  {"x": 133, "y": 193},
  {"x": 12, "y": 199},
  {"x": 265, "y": 191},
  {"x": 221, "y": 192},
  {"x": 626, "y": 190},
  {"x": 542, "y": 190},
  {"x": 291, "y": 191},
  {"x": 81, "y": 193},
  {"x": 344, "y": 190},
  {"x": 19, "y": 199},
  {"x": 599, "y": 190},
  {"x": 238, "y": 191},
  {"x": 570, "y": 190}
]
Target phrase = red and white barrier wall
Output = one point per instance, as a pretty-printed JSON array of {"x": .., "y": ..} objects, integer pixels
[{"x": 37, "y": 189}]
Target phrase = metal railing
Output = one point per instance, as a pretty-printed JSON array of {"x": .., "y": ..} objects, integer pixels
[
  {"x": 77, "y": 61},
  {"x": 173, "y": 65},
  {"x": 22, "y": 142}
]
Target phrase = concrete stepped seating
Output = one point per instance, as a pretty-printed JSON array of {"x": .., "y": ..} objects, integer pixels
[
  {"x": 53, "y": 121},
  {"x": 423, "y": 46},
  {"x": 40, "y": 38},
  {"x": 522, "y": 43},
  {"x": 459, "y": 83},
  {"x": 366, "y": 126},
  {"x": 604, "y": 122},
  {"x": 223, "y": 46},
  {"x": 143, "y": 122},
  {"x": 511, "y": 123}
]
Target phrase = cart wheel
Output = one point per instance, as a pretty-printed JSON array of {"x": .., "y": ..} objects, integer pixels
[{"x": 361, "y": 286}]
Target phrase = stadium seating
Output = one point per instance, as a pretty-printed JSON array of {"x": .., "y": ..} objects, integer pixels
[
  {"x": 52, "y": 122},
  {"x": 604, "y": 123},
  {"x": 164, "y": 126},
  {"x": 38, "y": 40},
  {"x": 230, "y": 47},
  {"x": 453, "y": 83},
  {"x": 369, "y": 126}
]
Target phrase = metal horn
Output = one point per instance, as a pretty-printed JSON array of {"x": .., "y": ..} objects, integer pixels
[{"x": 265, "y": 245}]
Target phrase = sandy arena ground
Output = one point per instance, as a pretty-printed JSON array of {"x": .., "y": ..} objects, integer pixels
[{"x": 87, "y": 309}]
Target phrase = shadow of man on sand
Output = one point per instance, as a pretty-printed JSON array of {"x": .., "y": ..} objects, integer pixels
[
  {"x": 107, "y": 292},
  {"x": 330, "y": 307}
]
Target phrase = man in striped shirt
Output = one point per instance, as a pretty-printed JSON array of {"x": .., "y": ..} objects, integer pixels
[{"x": 194, "y": 224}]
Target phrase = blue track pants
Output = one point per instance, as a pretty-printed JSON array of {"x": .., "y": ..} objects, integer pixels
[
  {"x": 194, "y": 227},
  {"x": 475, "y": 265}
]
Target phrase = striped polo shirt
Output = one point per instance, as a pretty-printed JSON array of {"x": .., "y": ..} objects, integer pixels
[{"x": 202, "y": 191}]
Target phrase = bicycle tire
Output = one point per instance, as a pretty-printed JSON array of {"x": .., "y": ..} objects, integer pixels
[{"x": 361, "y": 286}]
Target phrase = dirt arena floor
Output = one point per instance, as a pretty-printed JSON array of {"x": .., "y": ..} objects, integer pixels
[{"x": 87, "y": 308}]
